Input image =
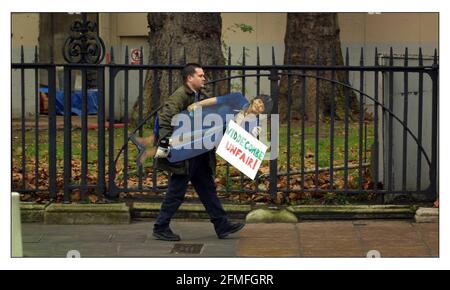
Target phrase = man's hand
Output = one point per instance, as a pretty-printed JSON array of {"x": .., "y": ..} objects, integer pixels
[{"x": 163, "y": 149}]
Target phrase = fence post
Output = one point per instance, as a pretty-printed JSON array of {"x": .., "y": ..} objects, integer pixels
[
  {"x": 273, "y": 164},
  {"x": 52, "y": 131},
  {"x": 16, "y": 227},
  {"x": 112, "y": 192},
  {"x": 434, "y": 130},
  {"x": 67, "y": 133},
  {"x": 101, "y": 131}
]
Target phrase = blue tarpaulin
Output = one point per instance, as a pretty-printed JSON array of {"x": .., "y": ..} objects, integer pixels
[{"x": 76, "y": 102}]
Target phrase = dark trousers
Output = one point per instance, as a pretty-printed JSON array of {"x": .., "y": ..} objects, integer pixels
[{"x": 201, "y": 177}]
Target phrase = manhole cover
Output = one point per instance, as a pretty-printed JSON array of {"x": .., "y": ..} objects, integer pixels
[{"x": 187, "y": 248}]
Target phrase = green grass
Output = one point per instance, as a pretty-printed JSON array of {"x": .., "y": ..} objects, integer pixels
[
  {"x": 324, "y": 146},
  {"x": 92, "y": 147}
]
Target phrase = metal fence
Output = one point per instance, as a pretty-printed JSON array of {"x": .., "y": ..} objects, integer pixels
[{"x": 357, "y": 154}]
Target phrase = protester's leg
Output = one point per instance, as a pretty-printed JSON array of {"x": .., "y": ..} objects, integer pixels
[
  {"x": 145, "y": 146},
  {"x": 149, "y": 152},
  {"x": 146, "y": 141},
  {"x": 203, "y": 182},
  {"x": 172, "y": 201}
]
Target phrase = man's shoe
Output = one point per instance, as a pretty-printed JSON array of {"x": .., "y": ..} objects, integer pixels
[
  {"x": 232, "y": 228},
  {"x": 166, "y": 235}
]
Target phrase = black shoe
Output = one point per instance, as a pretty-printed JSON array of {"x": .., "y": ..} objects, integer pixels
[
  {"x": 166, "y": 235},
  {"x": 232, "y": 228}
]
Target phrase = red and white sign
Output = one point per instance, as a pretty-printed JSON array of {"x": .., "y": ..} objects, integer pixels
[
  {"x": 135, "y": 56},
  {"x": 241, "y": 149}
]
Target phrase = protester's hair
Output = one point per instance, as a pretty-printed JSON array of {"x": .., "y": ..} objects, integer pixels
[
  {"x": 267, "y": 100},
  {"x": 189, "y": 70}
]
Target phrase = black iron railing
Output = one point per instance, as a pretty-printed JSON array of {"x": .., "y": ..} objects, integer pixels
[{"x": 377, "y": 123}]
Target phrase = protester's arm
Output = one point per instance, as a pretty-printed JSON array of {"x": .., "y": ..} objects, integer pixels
[
  {"x": 233, "y": 100},
  {"x": 203, "y": 103}
]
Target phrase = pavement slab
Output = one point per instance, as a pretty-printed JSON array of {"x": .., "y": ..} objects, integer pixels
[{"x": 391, "y": 238}]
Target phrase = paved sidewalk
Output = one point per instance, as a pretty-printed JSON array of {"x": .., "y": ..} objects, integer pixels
[{"x": 304, "y": 239}]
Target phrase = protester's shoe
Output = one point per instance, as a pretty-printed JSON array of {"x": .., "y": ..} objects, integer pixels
[
  {"x": 232, "y": 228},
  {"x": 166, "y": 235},
  {"x": 141, "y": 149}
]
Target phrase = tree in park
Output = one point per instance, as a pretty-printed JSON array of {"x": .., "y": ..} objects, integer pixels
[
  {"x": 180, "y": 38},
  {"x": 313, "y": 39}
]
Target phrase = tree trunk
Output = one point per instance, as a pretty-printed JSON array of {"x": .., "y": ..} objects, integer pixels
[
  {"x": 306, "y": 35},
  {"x": 190, "y": 37}
]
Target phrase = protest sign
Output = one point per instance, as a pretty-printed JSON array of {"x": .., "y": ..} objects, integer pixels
[{"x": 241, "y": 150}]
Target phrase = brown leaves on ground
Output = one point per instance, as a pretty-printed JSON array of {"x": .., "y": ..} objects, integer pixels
[{"x": 261, "y": 186}]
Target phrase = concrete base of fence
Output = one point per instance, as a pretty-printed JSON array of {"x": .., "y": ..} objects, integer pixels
[
  {"x": 427, "y": 215},
  {"x": 269, "y": 215},
  {"x": 32, "y": 212},
  {"x": 117, "y": 213},
  {"x": 402, "y": 198},
  {"x": 187, "y": 211},
  {"x": 354, "y": 211}
]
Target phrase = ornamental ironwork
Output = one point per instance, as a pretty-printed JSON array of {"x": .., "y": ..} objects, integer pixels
[{"x": 84, "y": 45}]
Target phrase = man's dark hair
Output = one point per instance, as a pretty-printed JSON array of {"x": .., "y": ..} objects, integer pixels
[{"x": 188, "y": 70}]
